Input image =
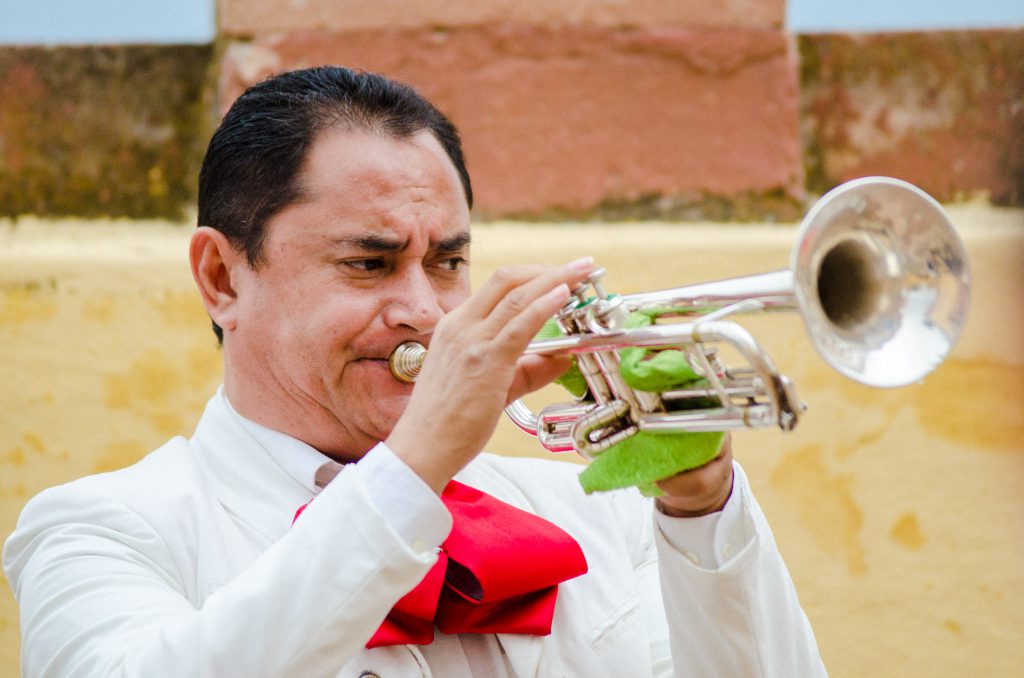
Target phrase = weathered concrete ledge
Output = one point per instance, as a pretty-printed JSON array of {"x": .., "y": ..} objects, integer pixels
[{"x": 599, "y": 119}]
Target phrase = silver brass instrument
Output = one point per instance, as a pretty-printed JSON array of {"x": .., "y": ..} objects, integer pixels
[{"x": 878, "y": 275}]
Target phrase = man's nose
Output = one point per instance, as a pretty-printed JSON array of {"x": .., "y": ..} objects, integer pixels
[{"x": 414, "y": 303}]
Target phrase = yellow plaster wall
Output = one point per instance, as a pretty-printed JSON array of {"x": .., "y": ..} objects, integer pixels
[{"x": 900, "y": 513}]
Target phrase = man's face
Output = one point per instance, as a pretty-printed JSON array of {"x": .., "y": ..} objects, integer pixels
[{"x": 371, "y": 255}]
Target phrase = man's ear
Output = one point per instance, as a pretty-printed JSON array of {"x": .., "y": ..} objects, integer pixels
[{"x": 213, "y": 258}]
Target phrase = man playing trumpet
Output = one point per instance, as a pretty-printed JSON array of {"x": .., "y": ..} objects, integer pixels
[{"x": 334, "y": 226}]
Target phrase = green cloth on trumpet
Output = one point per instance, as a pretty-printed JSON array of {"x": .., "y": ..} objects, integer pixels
[
  {"x": 655, "y": 371},
  {"x": 572, "y": 380},
  {"x": 644, "y": 458}
]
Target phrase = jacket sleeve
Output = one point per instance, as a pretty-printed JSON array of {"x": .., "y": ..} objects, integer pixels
[
  {"x": 100, "y": 594},
  {"x": 739, "y": 616}
]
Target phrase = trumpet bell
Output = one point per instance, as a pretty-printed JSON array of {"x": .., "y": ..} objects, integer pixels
[{"x": 881, "y": 280}]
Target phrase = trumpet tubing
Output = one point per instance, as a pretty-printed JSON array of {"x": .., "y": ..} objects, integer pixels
[{"x": 878, "y": 276}]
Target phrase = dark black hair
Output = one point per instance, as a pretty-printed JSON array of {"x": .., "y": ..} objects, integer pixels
[{"x": 251, "y": 168}]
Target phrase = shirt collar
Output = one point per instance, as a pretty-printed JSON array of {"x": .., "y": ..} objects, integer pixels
[{"x": 310, "y": 468}]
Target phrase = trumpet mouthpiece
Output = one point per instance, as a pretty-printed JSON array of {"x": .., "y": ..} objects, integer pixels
[{"x": 406, "y": 361}]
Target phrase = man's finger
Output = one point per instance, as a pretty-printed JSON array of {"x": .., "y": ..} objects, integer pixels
[
  {"x": 497, "y": 287},
  {"x": 536, "y": 371},
  {"x": 513, "y": 288},
  {"x": 523, "y": 300},
  {"x": 516, "y": 332}
]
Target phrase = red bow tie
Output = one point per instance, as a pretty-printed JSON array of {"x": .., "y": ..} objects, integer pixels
[{"x": 497, "y": 572}]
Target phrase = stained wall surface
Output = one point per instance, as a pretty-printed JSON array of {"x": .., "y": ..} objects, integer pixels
[
  {"x": 899, "y": 512},
  {"x": 572, "y": 109}
]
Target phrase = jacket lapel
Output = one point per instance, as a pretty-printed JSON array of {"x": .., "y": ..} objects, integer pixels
[{"x": 244, "y": 478}]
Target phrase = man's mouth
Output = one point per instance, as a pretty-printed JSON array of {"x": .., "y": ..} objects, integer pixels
[
  {"x": 375, "y": 359},
  {"x": 381, "y": 366}
]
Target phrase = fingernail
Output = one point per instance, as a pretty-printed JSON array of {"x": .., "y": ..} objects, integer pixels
[
  {"x": 583, "y": 264},
  {"x": 560, "y": 292}
]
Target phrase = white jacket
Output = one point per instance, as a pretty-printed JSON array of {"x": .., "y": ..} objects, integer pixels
[{"x": 186, "y": 564}]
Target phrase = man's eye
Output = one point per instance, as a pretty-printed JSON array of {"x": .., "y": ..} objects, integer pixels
[
  {"x": 365, "y": 265},
  {"x": 453, "y": 263}
]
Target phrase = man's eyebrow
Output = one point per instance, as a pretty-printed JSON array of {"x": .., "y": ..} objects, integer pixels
[
  {"x": 455, "y": 243},
  {"x": 372, "y": 242}
]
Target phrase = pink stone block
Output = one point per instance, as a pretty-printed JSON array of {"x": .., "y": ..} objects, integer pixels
[
  {"x": 575, "y": 118},
  {"x": 249, "y": 17}
]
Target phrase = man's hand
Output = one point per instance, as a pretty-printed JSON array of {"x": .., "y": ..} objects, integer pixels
[
  {"x": 475, "y": 367},
  {"x": 699, "y": 491}
]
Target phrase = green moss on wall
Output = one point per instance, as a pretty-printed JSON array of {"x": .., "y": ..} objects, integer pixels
[
  {"x": 102, "y": 131},
  {"x": 944, "y": 110}
]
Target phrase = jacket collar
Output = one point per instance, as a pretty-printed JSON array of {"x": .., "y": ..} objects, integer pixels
[{"x": 243, "y": 475}]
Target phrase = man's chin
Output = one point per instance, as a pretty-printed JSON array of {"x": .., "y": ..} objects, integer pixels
[
  {"x": 373, "y": 403},
  {"x": 389, "y": 411}
]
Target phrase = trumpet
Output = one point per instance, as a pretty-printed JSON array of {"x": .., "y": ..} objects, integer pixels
[{"x": 878, "y": 275}]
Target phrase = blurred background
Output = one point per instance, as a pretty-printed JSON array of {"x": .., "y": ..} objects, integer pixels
[{"x": 677, "y": 142}]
